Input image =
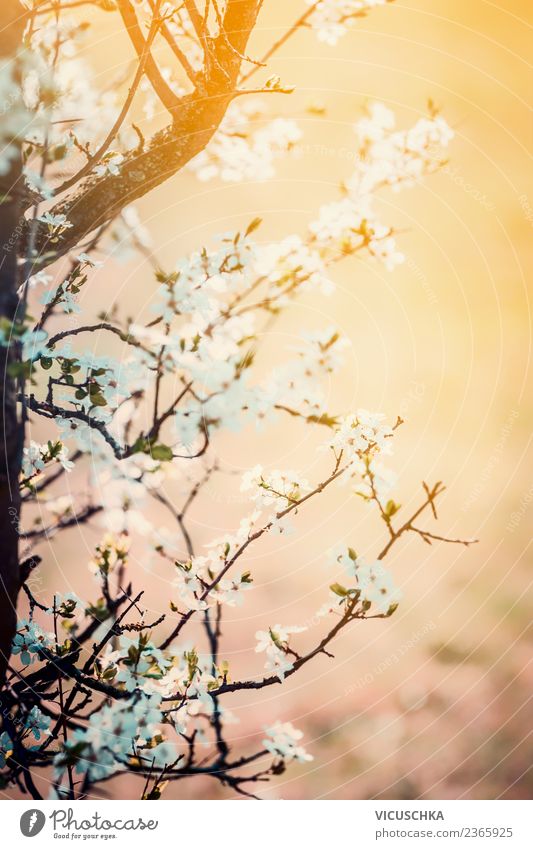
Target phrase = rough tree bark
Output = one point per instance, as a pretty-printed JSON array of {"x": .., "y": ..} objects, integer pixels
[
  {"x": 196, "y": 117},
  {"x": 11, "y": 26},
  {"x": 91, "y": 203}
]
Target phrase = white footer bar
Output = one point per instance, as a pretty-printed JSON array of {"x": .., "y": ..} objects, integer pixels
[{"x": 270, "y": 824}]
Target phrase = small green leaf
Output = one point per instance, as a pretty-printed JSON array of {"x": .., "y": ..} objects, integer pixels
[
  {"x": 391, "y": 508},
  {"x": 98, "y": 400},
  {"x": 339, "y": 590},
  {"x": 161, "y": 452},
  {"x": 139, "y": 446}
]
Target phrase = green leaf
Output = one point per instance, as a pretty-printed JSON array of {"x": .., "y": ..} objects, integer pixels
[
  {"x": 139, "y": 446},
  {"x": 109, "y": 673},
  {"x": 339, "y": 590},
  {"x": 98, "y": 400},
  {"x": 161, "y": 452},
  {"x": 391, "y": 508}
]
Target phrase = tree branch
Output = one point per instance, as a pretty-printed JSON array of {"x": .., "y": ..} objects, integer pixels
[
  {"x": 168, "y": 98},
  {"x": 197, "y": 116}
]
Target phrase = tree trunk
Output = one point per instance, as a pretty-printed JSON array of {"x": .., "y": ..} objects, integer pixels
[{"x": 11, "y": 430}]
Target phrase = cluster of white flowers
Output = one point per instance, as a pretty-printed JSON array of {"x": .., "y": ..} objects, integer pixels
[
  {"x": 288, "y": 261},
  {"x": 195, "y": 576},
  {"x": 210, "y": 346},
  {"x": 110, "y": 553},
  {"x": 36, "y": 456},
  {"x": 283, "y": 739},
  {"x": 360, "y": 433},
  {"x": 374, "y": 583},
  {"x": 190, "y": 585},
  {"x": 298, "y": 384},
  {"x": 349, "y": 224},
  {"x": 106, "y": 745},
  {"x": 140, "y": 668},
  {"x": 397, "y": 158},
  {"x": 275, "y": 642},
  {"x": 360, "y": 440},
  {"x": 135, "y": 664},
  {"x": 387, "y": 157},
  {"x": 62, "y": 86},
  {"x": 382, "y": 246},
  {"x": 29, "y": 640},
  {"x": 124, "y": 497},
  {"x": 332, "y": 18},
  {"x": 36, "y": 722},
  {"x": 200, "y": 279},
  {"x": 274, "y": 489},
  {"x": 241, "y": 152},
  {"x": 321, "y": 351}
]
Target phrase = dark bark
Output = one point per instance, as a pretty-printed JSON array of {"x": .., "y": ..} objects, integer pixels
[
  {"x": 11, "y": 429},
  {"x": 197, "y": 117}
]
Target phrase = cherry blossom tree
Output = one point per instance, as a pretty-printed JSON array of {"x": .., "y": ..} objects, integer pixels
[{"x": 94, "y": 687}]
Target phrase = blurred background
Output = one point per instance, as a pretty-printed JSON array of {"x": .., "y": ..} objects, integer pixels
[{"x": 433, "y": 703}]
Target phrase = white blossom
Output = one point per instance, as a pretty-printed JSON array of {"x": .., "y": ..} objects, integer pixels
[
  {"x": 374, "y": 583},
  {"x": 56, "y": 223},
  {"x": 29, "y": 640},
  {"x": 283, "y": 739},
  {"x": 359, "y": 433},
  {"x": 110, "y": 164},
  {"x": 277, "y": 489},
  {"x": 240, "y": 151},
  {"x": 331, "y": 19},
  {"x": 275, "y": 642}
]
